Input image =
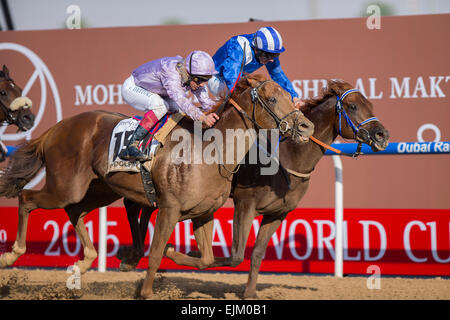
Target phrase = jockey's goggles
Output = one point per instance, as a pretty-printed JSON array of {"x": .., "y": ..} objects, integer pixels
[
  {"x": 268, "y": 55},
  {"x": 199, "y": 79}
]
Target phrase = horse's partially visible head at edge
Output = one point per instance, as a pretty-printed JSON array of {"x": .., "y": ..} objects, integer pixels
[
  {"x": 14, "y": 109},
  {"x": 358, "y": 108}
]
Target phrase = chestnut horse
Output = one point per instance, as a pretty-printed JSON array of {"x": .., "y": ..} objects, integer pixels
[
  {"x": 270, "y": 195},
  {"x": 75, "y": 152},
  {"x": 14, "y": 109}
]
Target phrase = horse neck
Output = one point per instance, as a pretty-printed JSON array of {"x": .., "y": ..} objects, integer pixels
[
  {"x": 304, "y": 157},
  {"x": 232, "y": 120}
]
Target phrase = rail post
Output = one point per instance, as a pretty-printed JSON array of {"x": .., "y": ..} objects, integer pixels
[
  {"x": 102, "y": 219},
  {"x": 403, "y": 148},
  {"x": 338, "y": 217}
]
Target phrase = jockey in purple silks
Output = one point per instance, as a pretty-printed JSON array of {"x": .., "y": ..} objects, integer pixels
[{"x": 160, "y": 86}]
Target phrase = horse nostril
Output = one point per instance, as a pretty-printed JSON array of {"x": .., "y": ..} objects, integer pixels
[
  {"x": 304, "y": 126},
  {"x": 379, "y": 136}
]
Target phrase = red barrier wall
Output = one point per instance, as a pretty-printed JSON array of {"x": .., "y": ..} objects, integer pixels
[{"x": 401, "y": 242}]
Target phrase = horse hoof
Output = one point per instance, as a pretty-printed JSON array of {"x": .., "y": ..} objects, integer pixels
[
  {"x": 83, "y": 266},
  {"x": 147, "y": 295},
  {"x": 169, "y": 247},
  {"x": 250, "y": 295},
  {"x": 7, "y": 259},
  {"x": 123, "y": 252},
  {"x": 194, "y": 254},
  {"x": 125, "y": 267}
]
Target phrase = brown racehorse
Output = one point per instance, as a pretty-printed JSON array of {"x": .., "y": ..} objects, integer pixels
[
  {"x": 14, "y": 109},
  {"x": 270, "y": 195},
  {"x": 75, "y": 151}
]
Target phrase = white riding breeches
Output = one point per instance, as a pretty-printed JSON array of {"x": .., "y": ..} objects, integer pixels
[{"x": 144, "y": 100}]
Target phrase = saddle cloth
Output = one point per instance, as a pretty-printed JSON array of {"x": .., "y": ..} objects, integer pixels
[{"x": 122, "y": 133}]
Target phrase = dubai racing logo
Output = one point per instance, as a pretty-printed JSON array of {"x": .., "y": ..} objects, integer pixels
[{"x": 39, "y": 76}]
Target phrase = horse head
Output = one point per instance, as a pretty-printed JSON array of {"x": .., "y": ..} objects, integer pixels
[
  {"x": 267, "y": 105},
  {"x": 14, "y": 108},
  {"x": 355, "y": 118}
]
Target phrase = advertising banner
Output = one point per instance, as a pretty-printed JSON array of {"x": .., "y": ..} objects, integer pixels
[
  {"x": 403, "y": 69},
  {"x": 398, "y": 242}
]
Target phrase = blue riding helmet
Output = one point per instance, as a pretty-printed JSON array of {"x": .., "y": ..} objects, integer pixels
[{"x": 268, "y": 39}]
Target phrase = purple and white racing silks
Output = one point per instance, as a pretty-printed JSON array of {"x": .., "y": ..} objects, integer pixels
[{"x": 160, "y": 79}]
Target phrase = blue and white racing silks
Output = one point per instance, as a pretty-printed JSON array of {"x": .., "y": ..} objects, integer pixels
[{"x": 228, "y": 60}]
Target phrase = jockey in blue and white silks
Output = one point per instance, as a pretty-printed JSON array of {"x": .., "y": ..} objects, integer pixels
[{"x": 261, "y": 48}]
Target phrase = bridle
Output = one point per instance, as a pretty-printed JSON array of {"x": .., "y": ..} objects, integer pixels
[
  {"x": 10, "y": 115},
  {"x": 282, "y": 124},
  {"x": 343, "y": 114}
]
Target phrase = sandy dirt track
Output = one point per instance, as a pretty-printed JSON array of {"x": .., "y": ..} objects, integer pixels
[{"x": 19, "y": 284}]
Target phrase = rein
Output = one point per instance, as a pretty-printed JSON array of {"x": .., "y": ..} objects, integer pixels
[
  {"x": 228, "y": 97},
  {"x": 281, "y": 123},
  {"x": 341, "y": 113}
]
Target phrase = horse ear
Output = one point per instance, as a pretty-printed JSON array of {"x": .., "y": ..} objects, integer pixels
[
  {"x": 5, "y": 70},
  {"x": 253, "y": 82}
]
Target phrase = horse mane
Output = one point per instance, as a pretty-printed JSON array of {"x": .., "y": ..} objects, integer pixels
[{"x": 333, "y": 88}]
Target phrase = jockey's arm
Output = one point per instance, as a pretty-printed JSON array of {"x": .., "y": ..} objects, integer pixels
[
  {"x": 172, "y": 83},
  {"x": 232, "y": 64},
  {"x": 277, "y": 74}
]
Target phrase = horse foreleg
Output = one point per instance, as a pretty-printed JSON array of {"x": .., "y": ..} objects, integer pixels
[
  {"x": 143, "y": 224},
  {"x": 244, "y": 214},
  {"x": 19, "y": 246},
  {"x": 126, "y": 253},
  {"x": 203, "y": 229},
  {"x": 165, "y": 224},
  {"x": 131, "y": 256},
  {"x": 268, "y": 227},
  {"x": 90, "y": 254},
  {"x": 28, "y": 201}
]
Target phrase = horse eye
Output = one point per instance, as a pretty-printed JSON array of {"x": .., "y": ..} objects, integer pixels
[
  {"x": 272, "y": 100},
  {"x": 3, "y": 93},
  {"x": 353, "y": 107}
]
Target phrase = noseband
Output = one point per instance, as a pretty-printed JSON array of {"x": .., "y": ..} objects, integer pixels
[
  {"x": 282, "y": 123},
  {"x": 10, "y": 115},
  {"x": 341, "y": 112}
]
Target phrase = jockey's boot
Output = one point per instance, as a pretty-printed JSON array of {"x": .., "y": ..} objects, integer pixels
[{"x": 132, "y": 152}]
